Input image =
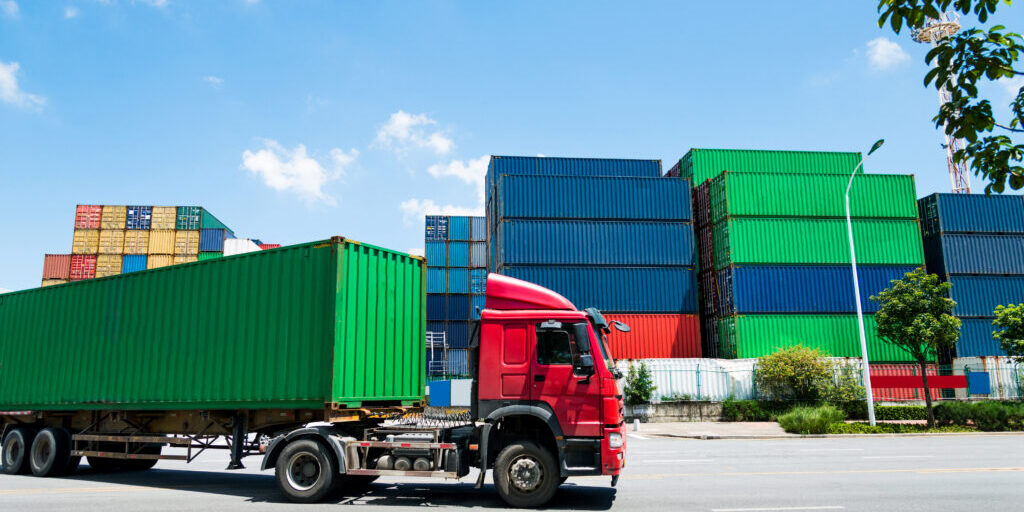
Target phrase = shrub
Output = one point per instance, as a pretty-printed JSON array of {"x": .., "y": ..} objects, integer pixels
[
  {"x": 792, "y": 373},
  {"x": 891, "y": 428},
  {"x": 843, "y": 387},
  {"x": 953, "y": 413},
  {"x": 639, "y": 384},
  {"x": 810, "y": 420},
  {"x": 742, "y": 410},
  {"x": 900, "y": 412},
  {"x": 991, "y": 416}
]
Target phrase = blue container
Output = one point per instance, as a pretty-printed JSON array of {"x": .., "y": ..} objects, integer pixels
[
  {"x": 971, "y": 213},
  {"x": 435, "y": 306},
  {"x": 458, "y": 254},
  {"x": 458, "y": 307},
  {"x": 478, "y": 255},
  {"x": 801, "y": 289},
  {"x": 435, "y": 326},
  {"x": 437, "y": 253},
  {"x": 441, "y": 393},
  {"x": 458, "y": 280},
  {"x": 458, "y": 334},
  {"x": 477, "y": 303},
  {"x": 579, "y": 197},
  {"x": 478, "y": 280},
  {"x": 583, "y": 242},
  {"x": 437, "y": 227},
  {"x": 458, "y": 228},
  {"x": 437, "y": 280},
  {"x": 974, "y": 254},
  {"x": 458, "y": 362},
  {"x": 976, "y": 339},
  {"x": 618, "y": 289},
  {"x": 133, "y": 263},
  {"x": 478, "y": 229},
  {"x": 978, "y": 296},
  {"x": 138, "y": 217},
  {"x": 212, "y": 240},
  {"x": 573, "y": 166}
]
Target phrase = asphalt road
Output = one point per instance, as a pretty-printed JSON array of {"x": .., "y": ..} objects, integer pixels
[{"x": 851, "y": 474}]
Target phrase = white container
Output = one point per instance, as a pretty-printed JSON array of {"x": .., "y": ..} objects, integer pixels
[
  {"x": 233, "y": 246},
  {"x": 462, "y": 392}
]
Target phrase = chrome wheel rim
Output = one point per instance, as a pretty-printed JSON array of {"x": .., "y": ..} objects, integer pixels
[
  {"x": 41, "y": 451},
  {"x": 12, "y": 450},
  {"x": 525, "y": 473},
  {"x": 303, "y": 471}
]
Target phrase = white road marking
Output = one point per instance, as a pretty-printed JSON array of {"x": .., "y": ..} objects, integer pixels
[
  {"x": 899, "y": 456},
  {"x": 764, "y": 509},
  {"x": 636, "y": 436},
  {"x": 832, "y": 449},
  {"x": 673, "y": 461}
]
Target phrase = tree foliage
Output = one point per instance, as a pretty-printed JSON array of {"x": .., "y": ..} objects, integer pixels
[
  {"x": 805, "y": 374},
  {"x": 1010, "y": 324},
  {"x": 639, "y": 384},
  {"x": 960, "y": 64}
]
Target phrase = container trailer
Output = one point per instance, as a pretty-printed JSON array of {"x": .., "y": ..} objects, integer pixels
[{"x": 318, "y": 348}]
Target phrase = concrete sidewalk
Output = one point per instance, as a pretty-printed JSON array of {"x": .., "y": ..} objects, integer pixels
[{"x": 762, "y": 430}]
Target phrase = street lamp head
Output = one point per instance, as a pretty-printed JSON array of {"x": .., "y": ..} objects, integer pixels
[{"x": 876, "y": 145}]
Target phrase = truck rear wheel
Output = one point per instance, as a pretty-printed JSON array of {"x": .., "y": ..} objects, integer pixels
[
  {"x": 305, "y": 471},
  {"x": 51, "y": 452},
  {"x": 16, "y": 446},
  {"x": 526, "y": 475},
  {"x": 141, "y": 464},
  {"x": 103, "y": 464}
]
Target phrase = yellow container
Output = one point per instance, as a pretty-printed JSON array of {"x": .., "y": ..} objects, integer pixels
[
  {"x": 163, "y": 217},
  {"x": 51, "y": 282},
  {"x": 161, "y": 241},
  {"x": 111, "y": 241},
  {"x": 108, "y": 265},
  {"x": 113, "y": 217},
  {"x": 159, "y": 260},
  {"x": 86, "y": 241},
  {"x": 186, "y": 241},
  {"x": 179, "y": 259},
  {"x": 136, "y": 241}
]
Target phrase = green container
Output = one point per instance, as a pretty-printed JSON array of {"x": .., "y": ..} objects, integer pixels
[
  {"x": 188, "y": 217},
  {"x": 208, "y": 221},
  {"x": 812, "y": 195},
  {"x": 812, "y": 241},
  {"x": 703, "y": 164},
  {"x": 333, "y": 321},
  {"x": 751, "y": 336},
  {"x": 203, "y": 256}
]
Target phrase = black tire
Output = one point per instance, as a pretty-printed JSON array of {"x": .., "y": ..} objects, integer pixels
[
  {"x": 306, "y": 471},
  {"x": 72, "y": 466},
  {"x": 103, "y": 464},
  {"x": 16, "y": 446},
  {"x": 526, "y": 475},
  {"x": 51, "y": 452},
  {"x": 141, "y": 464},
  {"x": 562, "y": 480}
]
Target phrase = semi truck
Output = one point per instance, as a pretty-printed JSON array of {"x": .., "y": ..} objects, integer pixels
[{"x": 313, "y": 356}]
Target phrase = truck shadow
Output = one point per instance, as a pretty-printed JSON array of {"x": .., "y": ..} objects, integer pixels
[{"x": 262, "y": 488}]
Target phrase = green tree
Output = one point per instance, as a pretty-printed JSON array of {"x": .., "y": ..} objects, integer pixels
[
  {"x": 1010, "y": 323},
  {"x": 961, "y": 63},
  {"x": 639, "y": 384},
  {"x": 916, "y": 314},
  {"x": 793, "y": 373}
]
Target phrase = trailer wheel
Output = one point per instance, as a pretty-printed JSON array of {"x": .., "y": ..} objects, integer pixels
[
  {"x": 305, "y": 471},
  {"x": 72, "y": 466},
  {"x": 141, "y": 464},
  {"x": 103, "y": 464},
  {"x": 16, "y": 446},
  {"x": 526, "y": 475},
  {"x": 51, "y": 451}
]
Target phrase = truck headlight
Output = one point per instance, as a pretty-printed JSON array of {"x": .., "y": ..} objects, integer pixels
[{"x": 615, "y": 440}]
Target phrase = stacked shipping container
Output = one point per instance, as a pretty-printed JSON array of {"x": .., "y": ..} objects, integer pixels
[
  {"x": 456, "y": 251},
  {"x": 605, "y": 233},
  {"x": 976, "y": 242},
  {"x": 774, "y": 251}
]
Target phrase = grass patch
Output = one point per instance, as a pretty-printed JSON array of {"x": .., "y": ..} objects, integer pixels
[
  {"x": 893, "y": 428},
  {"x": 811, "y": 420}
]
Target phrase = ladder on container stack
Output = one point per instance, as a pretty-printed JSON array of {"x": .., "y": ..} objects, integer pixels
[{"x": 437, "y": 341}]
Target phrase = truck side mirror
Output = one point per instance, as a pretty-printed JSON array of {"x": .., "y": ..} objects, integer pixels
[
  {"x": 586, "y": 367},
  {"x": 579, "y": 330},
  {"x": 620, "y": 326}
]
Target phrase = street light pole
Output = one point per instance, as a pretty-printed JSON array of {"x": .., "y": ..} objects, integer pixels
[{"x": 856, "y": 291}]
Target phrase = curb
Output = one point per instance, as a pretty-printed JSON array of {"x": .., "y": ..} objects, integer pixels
[{"x": 711, "y": 437}]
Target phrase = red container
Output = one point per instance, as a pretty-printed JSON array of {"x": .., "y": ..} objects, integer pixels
[
  {"x": 83, "y": 266},
  {"x": 654, "y": 336},
  {"x": 57, "y": 266},
  {"x": 87, "y": 216},
  {"x": 902, "y": 394},
  {"x": 264, "y": 247}
]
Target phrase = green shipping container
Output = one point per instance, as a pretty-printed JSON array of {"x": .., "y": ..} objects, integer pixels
[
  {"x": 812, "y": 195},
  {"x": 798, "y": 240},
  {"x": 703, "y": 164},
  {"x": 188, "y": 217},
  {"x": 333, "y": 321},
  {"x": 203, "y": 256},
  {"x": 751, "y": 336}
]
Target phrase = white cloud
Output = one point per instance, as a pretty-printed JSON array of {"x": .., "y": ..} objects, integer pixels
[
  {"x": 1012, "y": 85},
  {"x": 5, "y": 290},
  {"x": 472, "y": 172},
  {"x": 251, "y": 2},
  {"x": 295, "y": 171},
  {"x": 215, "y": 81},
  {"x": 404, "y": 131},
  {"x": 416, "y": 251},
  {"x": 155, "y": 3},
  {"x": 414, "y": 210},
  {"x": 70, "y": 12},
  {"x": 9, "y": 8},
  {"x": 12, "y": 94},
  {"x": 885, "y": 54}
]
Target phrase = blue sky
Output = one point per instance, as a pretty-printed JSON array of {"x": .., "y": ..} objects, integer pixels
[{"x": 293, "y": 121}]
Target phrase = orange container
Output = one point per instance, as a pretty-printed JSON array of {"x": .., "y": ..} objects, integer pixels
[
  {"x": 57, "y": 266},
  {"x": 654, "y": 336}
]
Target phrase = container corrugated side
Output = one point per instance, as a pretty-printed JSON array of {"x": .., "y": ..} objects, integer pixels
[
  {"x": 575, "y": 197},
  {"x": 573, "y": 166},
  {"x": 113, "y": 216},
  {"x": 976, "y": 339},
  {"x": 161, "y": 242},
  {"x": 435, "y": 307},
  {"x": 57, "y": 266},
  {"x": 478, "y": 255},
  {"x": 133, "y": 263},
  {"x": 208, "y": 221},
  {"x": 477, "y": 303},
  {"x": 318, "y": 322},
  {"x": 52, "y": 282},
  {"x": 164, "y": 217},
  {"x": 437, "y": 280},
  {"x": 436, "y": 227},
  {"x": 811, "y": 195},
  {"x": 83, "y": 266},
  {"x": 457, "y": 334},
  {"x": 458, "y": 280},
  {"x": 85, "y": 241},
  {"x": 436, "y": 253},
  {"x": 87, "y": 216},
  {"x": 978, "y": 296},
  {"x": 617, "y": 289},
  {"x": 477, "y": 280},
  {"x": 783, "y": 240},
  {"x": 458, "y": 254},
  {"x": 212, "y": 240},
  {"x": 264, "y": 247},
  {"x": 802, "y": 288},
  {"x": 971, "y": 213},
  {"x": 186, "y": 242},
  {"x": 587, "y": 242},
  {"x": 234, "y": 246},
  {"x": 654, "y": 336},
  {"x": 159, "y": 260},
  {"x": 188, "y": 217},
  {"x": 458, "y": 362},
  {"x": 203, "y": 256},
  {"x": 457, "y": 308},
  {"x": 748, "y": 336},
  {"x": 186, "y": 258},
  {"x": 458, "y": 228},
  {"x": 111, "y": 241},
  {"x": 478, "y": 229},
  {"x": 974, "y": 254},
  {"x": 136, "y": 241},
  {"x": 108, "y": 265},
  {"x": 700, "y": 164}
]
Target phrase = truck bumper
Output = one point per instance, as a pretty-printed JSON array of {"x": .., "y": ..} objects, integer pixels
[{"x": 613, "y": 459}]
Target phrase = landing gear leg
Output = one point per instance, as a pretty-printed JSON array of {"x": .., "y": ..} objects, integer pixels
[{"x": 238, "y": 438}]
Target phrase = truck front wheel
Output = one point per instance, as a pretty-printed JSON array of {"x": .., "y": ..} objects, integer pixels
[
  {"x": 305, "y": 471},
  {"x": 526, "y": 475},
  {"x": 15, "y": 450}
]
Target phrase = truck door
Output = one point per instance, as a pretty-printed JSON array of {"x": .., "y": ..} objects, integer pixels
[{"x": 556, "y": 380}]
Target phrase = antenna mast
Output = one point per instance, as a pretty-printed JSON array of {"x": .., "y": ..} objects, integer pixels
[{"x": 934, "y": 31}]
